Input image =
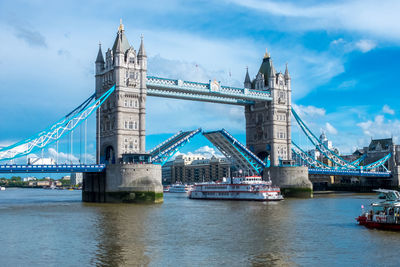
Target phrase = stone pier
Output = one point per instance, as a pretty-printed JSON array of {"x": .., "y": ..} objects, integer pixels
[
  {"x": 293, "y": 181},
  {"x": 124, "y": 183}
]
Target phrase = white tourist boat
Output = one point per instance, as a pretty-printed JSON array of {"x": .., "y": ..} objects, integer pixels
[
  {"x": 2, "y": 188},
  {"x": 239, "y": 188},
  {"x": 178, "y": 188}
]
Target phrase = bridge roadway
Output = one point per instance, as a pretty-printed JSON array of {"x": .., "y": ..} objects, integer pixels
[
  {"x": 59, "y": 168},
  {"x": 207, "y": 92}
]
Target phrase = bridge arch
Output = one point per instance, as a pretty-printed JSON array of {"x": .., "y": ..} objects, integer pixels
[{"x": 109, "y": 154}]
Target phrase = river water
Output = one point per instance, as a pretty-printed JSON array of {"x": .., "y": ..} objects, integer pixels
[{"x": 54, "y": 228}]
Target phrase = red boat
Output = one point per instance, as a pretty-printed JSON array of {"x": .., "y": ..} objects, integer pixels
[{"x": 385, "y": 214}]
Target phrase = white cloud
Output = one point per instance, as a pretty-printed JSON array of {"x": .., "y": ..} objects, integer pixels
[
  {"x": 67, "y": 157},
  {"x": 330, "y": 129},
  {"x": 364, "y": 16},
  {"x": 347, "y": 84},
  {"x": 309, "y": 111},
  {"x": 380, "y": 128},
  {"x": 204, "y": 151},
  {"x": 386, "y": 109},
  {"x": 365, "y": 45}
]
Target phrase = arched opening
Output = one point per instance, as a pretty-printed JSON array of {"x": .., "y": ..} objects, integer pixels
[{"x": 110, "y": 155}]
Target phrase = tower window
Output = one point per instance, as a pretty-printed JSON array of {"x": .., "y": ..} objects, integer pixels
[
  {"x": 131, "y": 125},
  {"x": 132, "y": 60}
]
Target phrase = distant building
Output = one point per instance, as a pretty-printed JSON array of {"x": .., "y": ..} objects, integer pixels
[
  {"x": 27, "y": 179},
  {"x": 43, "y": 183},
  {"x": 167, "y": 172},
  {"x": 316, "y": 154},
  {"x": 67, "y": 177},
  {"x": 195, "y": 168},
  {"x": 76, "y": 178}
]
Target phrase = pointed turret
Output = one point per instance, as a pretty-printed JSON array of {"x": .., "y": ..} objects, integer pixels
[
  {"x": 99, "y": 61},
  {"x": 142, "y": 52},
  {"x": 100, "y": 58},
  {"x": 247, "y": 81},
  {"x": 287, "y": 76},
  {"x": 272, "y": 71}
]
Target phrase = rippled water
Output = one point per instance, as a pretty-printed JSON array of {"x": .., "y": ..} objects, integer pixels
[{"x": 53, "y": 228}]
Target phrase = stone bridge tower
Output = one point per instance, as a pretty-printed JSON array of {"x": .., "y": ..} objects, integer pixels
[
  {"x": 268, "y": 123},
  {"x": 121, "y": 119},
  {"x": 129, "y": 176}
]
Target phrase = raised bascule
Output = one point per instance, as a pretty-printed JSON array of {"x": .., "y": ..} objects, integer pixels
[{"x": 126, "y": 172}]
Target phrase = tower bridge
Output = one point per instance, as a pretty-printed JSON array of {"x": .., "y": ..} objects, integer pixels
[{"x": 124, "y": 171}]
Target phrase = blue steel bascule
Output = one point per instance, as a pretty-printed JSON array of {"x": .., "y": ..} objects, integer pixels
[{"x": 121, "y": 90}]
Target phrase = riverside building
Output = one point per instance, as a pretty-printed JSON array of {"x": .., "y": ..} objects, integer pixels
[{"x": 195, "y": 169}]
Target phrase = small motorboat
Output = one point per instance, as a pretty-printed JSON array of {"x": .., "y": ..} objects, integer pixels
[{"x": 384, "y": 214}]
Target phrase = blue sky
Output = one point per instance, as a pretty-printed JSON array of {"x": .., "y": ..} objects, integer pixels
[{"x": 342, "y": 56}]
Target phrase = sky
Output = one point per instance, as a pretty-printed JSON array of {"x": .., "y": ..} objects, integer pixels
[{"x": 342, "y": 57}]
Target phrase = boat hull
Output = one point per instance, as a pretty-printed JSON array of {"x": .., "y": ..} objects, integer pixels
[{"x": 362, "y": 220}]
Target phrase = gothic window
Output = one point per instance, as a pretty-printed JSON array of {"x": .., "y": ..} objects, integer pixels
[
  {"x": 131, "y": 103},
  {"x": 131, "y": 75},
  {"x": 135, "y": 125},
  {"x": 131, "y": 125},
  {"x": 136, "y": 103},
  {"x": 131, "y": 145},
  {"x": 126, "y": 125},
  {"x": 125, "y": 103},
  {"x": 132, "y": 60}
]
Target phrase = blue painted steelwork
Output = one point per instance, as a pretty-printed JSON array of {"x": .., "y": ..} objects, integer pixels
[
  {"x": 170, "y": 148},
  {"x": 242, "y": 157},
  {"x": 66, "y": 168},
  {"x": 331, "y": 155},
  {"x": 349, "y": 173},
  {"x": 358, "y": 161},
  {"x": 55, "y": 131},
  {"x": 306, "y": 158},
  {"x": 209, "y": 92},
  {"x": 160, "y": 146},
  {"x": 319, "y": 165}
]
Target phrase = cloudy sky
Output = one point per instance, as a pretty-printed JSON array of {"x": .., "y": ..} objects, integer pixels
[{"x": 342, "y": 56}]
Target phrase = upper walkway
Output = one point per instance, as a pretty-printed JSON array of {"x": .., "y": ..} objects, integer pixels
[{"x": 208, "y": 92}]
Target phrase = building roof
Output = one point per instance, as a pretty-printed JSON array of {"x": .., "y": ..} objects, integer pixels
[
  {"x": 121, "y": 43},
  {"x": 380, "y": 144}
]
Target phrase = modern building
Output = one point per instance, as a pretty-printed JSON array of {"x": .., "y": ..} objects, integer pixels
[
  {"x": 195, "y": 168},
  {"x": 76, "y": 178}
]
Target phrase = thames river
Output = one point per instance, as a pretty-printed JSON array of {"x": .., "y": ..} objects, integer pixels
[{"x": 54, "y": 228}]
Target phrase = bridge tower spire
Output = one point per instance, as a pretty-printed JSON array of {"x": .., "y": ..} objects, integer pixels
[
  {"x": 121, "y": 129},
  {"x": 122, "y": 116},
  {"x": 268, "y": 123}
]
